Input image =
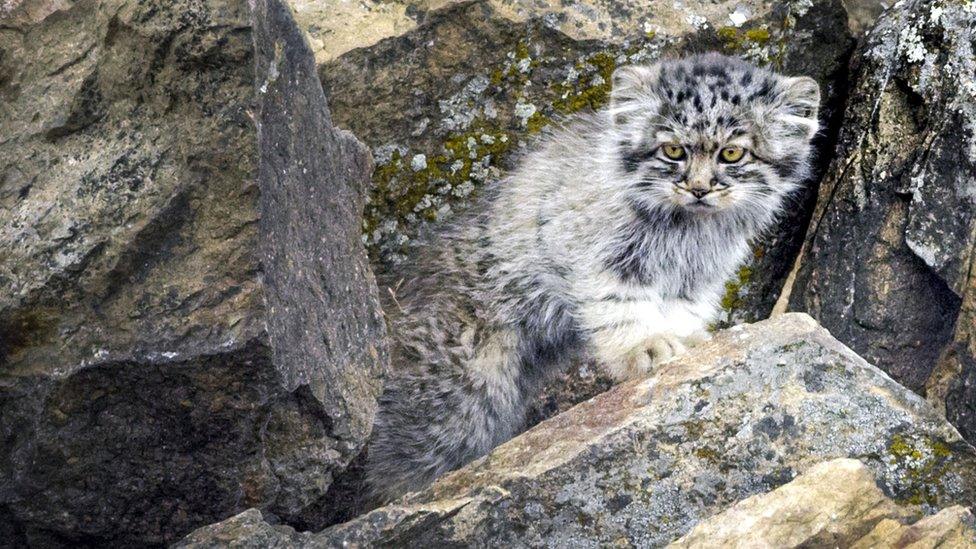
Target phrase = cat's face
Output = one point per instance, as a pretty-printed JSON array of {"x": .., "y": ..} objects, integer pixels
[{"x": 712, "y": 134}]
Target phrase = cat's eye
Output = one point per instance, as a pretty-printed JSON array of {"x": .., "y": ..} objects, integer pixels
[
  {"x": 731, "y": 154},
  {"x": 673, "y": 151}
]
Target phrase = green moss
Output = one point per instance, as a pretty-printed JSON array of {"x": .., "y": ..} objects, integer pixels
[
  {"x": 940, "y": 449},
  {"x": 741, "y": 41},
  {"x": 728, "y": 34},
  {"x": 759, "y": 36},
  {"x": 496, "y": 77},
  {"x": 901, "y": 449},
  {"x": 583, "y": 94},
  {"x": 707, "y": 454},
  {"x": 399, "y": 189},
  {"x": 733, "y": 298},
  {"x": 536, "y": 122}
]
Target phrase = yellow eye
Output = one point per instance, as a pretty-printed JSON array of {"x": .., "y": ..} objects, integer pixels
[
  {"x": 673, "y": 151},
  {"x": 731, "y": 154}
]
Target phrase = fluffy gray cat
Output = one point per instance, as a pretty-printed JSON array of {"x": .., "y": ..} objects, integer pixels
[{"x": 612, "y": 238}]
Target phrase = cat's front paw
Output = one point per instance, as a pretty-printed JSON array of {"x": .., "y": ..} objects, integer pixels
[{"x": 656, "y": 349}]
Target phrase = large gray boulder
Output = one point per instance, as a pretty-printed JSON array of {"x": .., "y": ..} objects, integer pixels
[
  {"x": 188, "y": 323},
  {"x": 641, "y": 464},
  {"x": 888, "y": 263}
]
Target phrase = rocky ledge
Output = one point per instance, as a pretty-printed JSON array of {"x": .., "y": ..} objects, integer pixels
[{"x": 643, "y": 463}]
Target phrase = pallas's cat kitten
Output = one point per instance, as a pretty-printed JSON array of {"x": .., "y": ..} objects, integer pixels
[{"x": 612, "y": 238}]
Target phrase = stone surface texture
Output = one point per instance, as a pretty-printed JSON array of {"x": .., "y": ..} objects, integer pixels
[
  {"x": 887, "y": 267},
  {"x": 188, "y": 324},
  {"x": 951, "y": 527},
  {"x": 833, "y": 504},
  {"x": 641, "y": 464}
]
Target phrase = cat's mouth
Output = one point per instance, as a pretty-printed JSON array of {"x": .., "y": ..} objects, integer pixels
[{"x": 700, "y": 206}]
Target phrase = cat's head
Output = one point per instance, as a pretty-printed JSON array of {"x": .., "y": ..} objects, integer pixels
[{"x": 710, "y": 134}]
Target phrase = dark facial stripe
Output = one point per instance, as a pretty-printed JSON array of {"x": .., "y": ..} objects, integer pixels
[
  {"x": 631, "y": 160},
  {"x": 787, "y": 166}
]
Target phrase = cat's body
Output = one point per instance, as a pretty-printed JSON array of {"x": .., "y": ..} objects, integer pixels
[{"x": 614, "y": 238}]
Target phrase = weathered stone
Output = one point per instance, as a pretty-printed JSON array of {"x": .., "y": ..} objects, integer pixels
[
  {"x": 888, "y": 263},
  {"x": 582, "y": 380},
  {"x": 447, "y": 105},
  {"x": 863, "y": 14},
  {"x": 833, "y": 504},
  {"x": 643, "y": 463},
  {"x": 952, "y": 527},
  {"x": 188, "y": 324},
  {"x": 247, "y": 530}
]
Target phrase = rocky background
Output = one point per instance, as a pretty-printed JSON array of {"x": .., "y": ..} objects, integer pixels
[{"x": 190, "y": 330}]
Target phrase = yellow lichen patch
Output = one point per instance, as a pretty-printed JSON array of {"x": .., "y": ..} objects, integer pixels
[
  {"x": 728, "y": 34},
  {"x": 738, "y": 40},
  {"x": 759, "y": 36},
  {"x": 400, "y": 189},
  {"x": 733, "y": 298},
  {"x": 900, "y": 448},
  {"x": 536, "y": 122},
  {"x": 924, "y": 461},
  {"x": 707, "y": 454},
  {"x": 584, "y": 93}
]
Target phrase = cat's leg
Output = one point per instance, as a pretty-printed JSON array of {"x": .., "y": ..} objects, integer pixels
[{"x": 631, "y": 336}]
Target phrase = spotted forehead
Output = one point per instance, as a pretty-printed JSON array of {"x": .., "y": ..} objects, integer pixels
[{"x": 710, "y": 101}]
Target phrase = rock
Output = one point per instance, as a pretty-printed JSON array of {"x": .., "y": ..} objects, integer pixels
[
  {"x": 643, "y": 463},
  {"x": 833, "y": 504},
  {"x": 188, "y": 323},
  {"x": 863, "y": 14},
  {"x": 952, "y": 527},
  {"x": 466, "y": 86},
  {"x": 888, "y": 263},
  {"x": 582, "y": 380},
  {"x": 247, "y": 530}
]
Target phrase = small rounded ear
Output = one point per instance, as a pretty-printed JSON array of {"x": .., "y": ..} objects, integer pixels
[
  {"x": 631, "y": 89},
  {"x": 801, "y": 103}
]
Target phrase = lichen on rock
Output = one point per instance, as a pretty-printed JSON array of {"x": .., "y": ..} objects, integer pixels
[{"x": 833, "y": 504}]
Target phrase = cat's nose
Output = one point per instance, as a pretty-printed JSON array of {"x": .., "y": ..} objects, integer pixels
[{"x": 698, "y": 192}]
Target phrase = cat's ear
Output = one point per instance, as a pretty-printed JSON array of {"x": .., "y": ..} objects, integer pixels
[
  {"x": 800, "y": 104},
  {"x": 631, "y": 91}
]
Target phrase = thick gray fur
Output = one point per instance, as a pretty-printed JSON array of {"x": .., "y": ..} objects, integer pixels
[{"x": 596, "y": 244}]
